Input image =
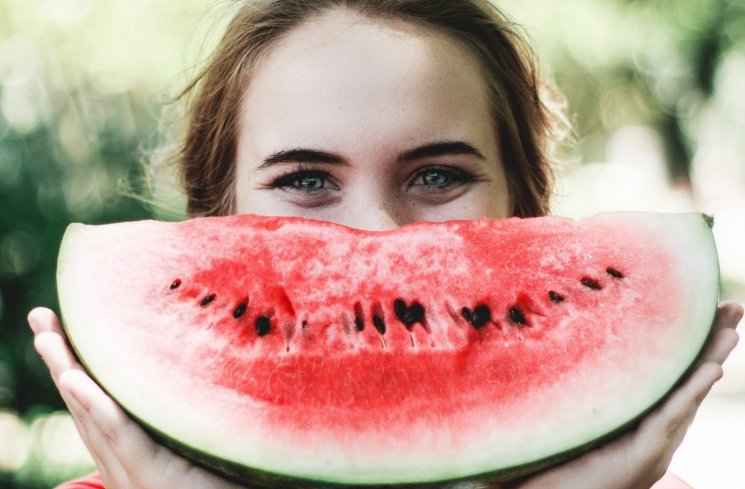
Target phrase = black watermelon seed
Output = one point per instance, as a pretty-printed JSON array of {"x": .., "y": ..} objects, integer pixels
[
  {"x": 614, "y": 273},
  {"x": 591, "y": 283},
  {"x": 555, "y": 296},
  {"x": 207, "y": 300},
  {"x": 263, "y": 325},
  {"x": 379, "y": 323},
  {"x": 240, "y": 309},
  {"x": 516, "y": 316},
  {"x": 408, "y": 314},
  {"x": 359, "y": 318},
  {"x": 175, "y": 283},
  {"x": 400, "y": 308},
  {"x": 466, "y": 312},
  {"x": 417, "y": 311},
  {"x": 359, "y": 323},
  {"x": 481, "y": 315}
]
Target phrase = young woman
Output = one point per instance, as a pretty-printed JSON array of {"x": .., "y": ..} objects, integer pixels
[{"x": 373, "y": 114}]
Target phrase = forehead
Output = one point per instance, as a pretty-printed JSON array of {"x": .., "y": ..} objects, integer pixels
[{"x": 342, "y": 76}]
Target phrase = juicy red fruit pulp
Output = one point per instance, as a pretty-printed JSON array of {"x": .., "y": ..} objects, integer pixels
[{"x": 376, "y": 345}]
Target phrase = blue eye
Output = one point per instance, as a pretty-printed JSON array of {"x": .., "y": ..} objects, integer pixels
[
  {"x": 440, "y": 178},
  {"x": 435, "y": 178},
  {"x": 308, "y": 181}
]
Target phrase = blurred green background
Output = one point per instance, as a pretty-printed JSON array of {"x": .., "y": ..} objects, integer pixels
[{"x": 656, "y": 89}]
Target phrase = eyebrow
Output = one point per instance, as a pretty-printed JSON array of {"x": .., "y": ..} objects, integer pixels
[
  {"x": 304, "y": 155},
  {"x": 440, "y": 148}
]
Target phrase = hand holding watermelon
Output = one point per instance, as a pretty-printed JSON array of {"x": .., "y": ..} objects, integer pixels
[
  {"x": 127, "y": 457},
  {"x": 641, "y": 457}
]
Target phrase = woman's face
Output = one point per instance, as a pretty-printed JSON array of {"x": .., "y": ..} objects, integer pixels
[{"x": 372, "y": 124}]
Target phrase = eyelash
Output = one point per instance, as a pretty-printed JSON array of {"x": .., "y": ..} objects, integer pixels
[
  {"x": 456, "y": 177},
  {"x": 289, "y": 179}
]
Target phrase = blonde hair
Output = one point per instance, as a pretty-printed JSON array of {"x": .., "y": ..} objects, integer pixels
[{"x": 525, "y": 119}]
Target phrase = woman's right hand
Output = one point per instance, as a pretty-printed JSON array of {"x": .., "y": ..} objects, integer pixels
[{"x": 125, "y": 455}]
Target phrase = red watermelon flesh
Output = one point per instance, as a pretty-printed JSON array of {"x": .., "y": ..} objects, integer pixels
[{"x": 432, "y": 352}]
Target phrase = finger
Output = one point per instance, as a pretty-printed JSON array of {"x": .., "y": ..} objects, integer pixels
[
  {"x": 662, "y": 431},
  {"x": 131, "y": 445},
  {"x": 78, "y": 415},
  {"x": 107, "y": 463},
  {"x": 123, "y": 449},
  {"x": 671, "y": 420},
  {"x": 102, "y": 409},
  {"x": 724, "y": 337},
  {"x": 719, "y": 347},
  {"x": 50, "y": 342},
  {"x": 53, "y": 349},
  {"x": 729, "y": 313},
  {"x": 55, "y": 353},
  {"x": 608, "y": 463},
  {"x": 42, "y": 319}
]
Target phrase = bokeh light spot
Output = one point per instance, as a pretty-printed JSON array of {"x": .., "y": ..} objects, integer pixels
[
  {"x": 19, "y": 62},
  {"x": 68, "y": 13},
  {"x": 10, "y": 169},
  {"x": 730, "y": 84},
  {"x": 19, "y": 110},
  {"x": 19, "y": 253},
  {"x": 14, "y": 449},
  {"x": 72, "y": 137},
  {"x": 57, "y": 441}
]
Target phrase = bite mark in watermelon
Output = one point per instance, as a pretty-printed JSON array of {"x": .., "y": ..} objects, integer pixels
[{"x": 276, "y": 349}]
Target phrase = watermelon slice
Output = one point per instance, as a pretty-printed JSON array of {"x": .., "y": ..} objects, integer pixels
[{"x": 284, "y": 349}]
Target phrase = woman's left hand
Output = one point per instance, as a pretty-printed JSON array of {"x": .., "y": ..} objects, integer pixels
[{"x": 640, "y": 458}]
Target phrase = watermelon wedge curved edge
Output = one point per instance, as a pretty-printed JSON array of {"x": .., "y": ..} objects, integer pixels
[{"x": 290, "y": 352}]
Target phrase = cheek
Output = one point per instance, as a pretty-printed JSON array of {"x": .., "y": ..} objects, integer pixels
[
  {"x": 244, "y": 198},
  {"x": 488, "y": 200},
  {"x": 264, "y": 204},
  {"x": 248, "y": 200}
]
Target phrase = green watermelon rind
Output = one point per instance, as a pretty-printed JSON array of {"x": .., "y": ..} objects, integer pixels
[{"x": 266, "y": 478}]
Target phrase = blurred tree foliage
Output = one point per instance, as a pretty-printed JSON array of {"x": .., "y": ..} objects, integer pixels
[
  {"x": 650, "y": 62},
  {"x": 79, "y": 83},
  {"x": 42, "y": 191}
]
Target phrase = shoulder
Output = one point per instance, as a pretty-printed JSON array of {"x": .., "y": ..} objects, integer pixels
[{"x": 92, "y": 481}]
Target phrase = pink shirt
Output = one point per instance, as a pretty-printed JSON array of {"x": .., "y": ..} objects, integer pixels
[{"x": 92, "y": 481}]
